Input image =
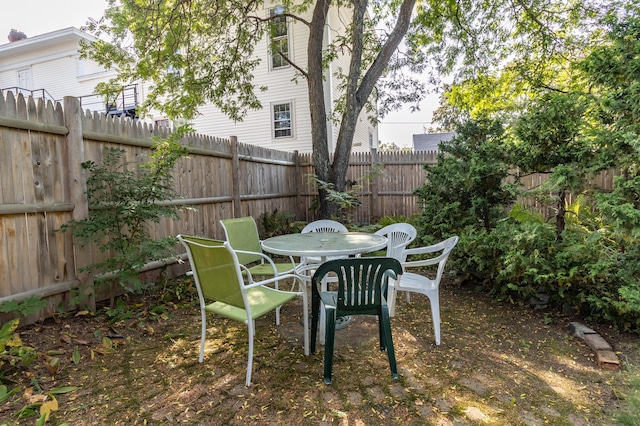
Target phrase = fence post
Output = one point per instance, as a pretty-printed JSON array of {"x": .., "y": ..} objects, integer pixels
[
  {"x": 373, "y": 206},
  {"x": 235, "y": 177},
  {"x": 298, "y": 186},
  {"x": 77, "y": 191}
]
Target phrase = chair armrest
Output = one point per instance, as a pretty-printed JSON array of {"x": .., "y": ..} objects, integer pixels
[
  {"x": 270, "y": 280},
  {"x": 424, "y": 250},
  {"x": 246, "y": 271},
  {"x": 264, "y": 257}
]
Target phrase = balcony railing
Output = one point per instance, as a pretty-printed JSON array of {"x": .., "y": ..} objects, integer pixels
[
  {"x": 35, "y": 94},
  {"x": 122, "y": 105}
]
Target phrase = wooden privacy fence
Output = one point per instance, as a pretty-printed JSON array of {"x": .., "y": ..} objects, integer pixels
[{"x": 42, "y": 187}]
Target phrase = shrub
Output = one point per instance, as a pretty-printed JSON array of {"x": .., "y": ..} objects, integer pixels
[{"x": 124, "y": 198}]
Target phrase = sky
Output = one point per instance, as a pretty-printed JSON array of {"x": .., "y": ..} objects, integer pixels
[{"x": 35, "y": 17}]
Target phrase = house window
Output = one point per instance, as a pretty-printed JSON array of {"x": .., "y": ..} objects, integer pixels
[
  {"x": 282, "y": 121},
  {"x": 164, "y": 122},
  {"x": 279, "y": 38}
]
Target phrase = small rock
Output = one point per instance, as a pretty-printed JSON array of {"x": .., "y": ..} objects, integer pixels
[
  {"x": 474, "y": 414},
  {"x": 580, "y": 329}
]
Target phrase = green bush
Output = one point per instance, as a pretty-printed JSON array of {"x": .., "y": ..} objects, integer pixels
[
  {"x": 124, "y": 199},
  {"x": 467, "y": 185}
]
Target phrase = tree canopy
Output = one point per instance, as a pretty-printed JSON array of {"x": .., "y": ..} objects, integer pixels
[{"x": 212, "y": 45}]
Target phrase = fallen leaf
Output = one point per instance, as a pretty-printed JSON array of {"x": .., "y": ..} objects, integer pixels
[{"x": 47, "y": 407}]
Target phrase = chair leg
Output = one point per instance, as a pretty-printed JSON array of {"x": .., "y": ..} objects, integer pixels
[
  {"x": 305, "y": 316},
  {"x": 278, "y": 308},
  {"x": 434, "y": 299},
  {"x": 252, "y": 326},
  {"x": 203, "y": 334},
  {"x": 385, "y": 324},
  {"x": 391, "y": 297},
  {"x": 381, "y": 332},
  {"x": 330, "y": 332},
  {"x": 315, "y": 316}
]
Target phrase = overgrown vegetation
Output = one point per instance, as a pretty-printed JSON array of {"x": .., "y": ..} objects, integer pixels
[
  {"x": 15, "y": 357},
  {"x": 580, "y": 256},
  {"x": 124, "y": 198}
]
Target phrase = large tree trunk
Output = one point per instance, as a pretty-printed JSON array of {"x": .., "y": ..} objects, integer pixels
[
  {"x": 357, "y": 91},
  {"x": 560, "y": 217},
  {"x": 317, "y": 107}
]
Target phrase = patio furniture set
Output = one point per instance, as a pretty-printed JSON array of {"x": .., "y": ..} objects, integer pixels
[{"x": 348, "y": 275}]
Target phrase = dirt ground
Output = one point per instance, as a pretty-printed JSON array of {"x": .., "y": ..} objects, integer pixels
[{"x": 497, "y": 365}]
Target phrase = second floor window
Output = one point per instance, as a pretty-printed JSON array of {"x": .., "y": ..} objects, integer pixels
[
  {"x": 279, "y": 38},
  {"x": 282, "y": 122}
]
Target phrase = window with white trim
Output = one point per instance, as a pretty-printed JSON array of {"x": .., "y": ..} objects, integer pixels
[
  {"x": 163, "y": 122},
  {"x": 279, "y": 38},
  {"x": 282, "y": 120}
]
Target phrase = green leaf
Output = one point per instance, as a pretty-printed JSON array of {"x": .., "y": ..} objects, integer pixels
[
  {"x": 6, "y": 332},
  {"x": 524, "y": 215},
  {"x": 4, "y": 394},
  {"x": 76, "y": 356},
  {"x": 61, "y": 390}
]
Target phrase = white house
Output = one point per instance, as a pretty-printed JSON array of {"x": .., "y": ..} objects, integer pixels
[{"x": 49, "y": 66}]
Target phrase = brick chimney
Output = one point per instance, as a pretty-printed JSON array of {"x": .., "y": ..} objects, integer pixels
[{"x": 15, "y": 35}]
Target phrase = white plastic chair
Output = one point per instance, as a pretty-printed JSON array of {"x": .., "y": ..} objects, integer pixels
[
  {"x": 416, "y": 283},
  {"x": 323, "y": 225},
  {"x": 400, "y": 235}
]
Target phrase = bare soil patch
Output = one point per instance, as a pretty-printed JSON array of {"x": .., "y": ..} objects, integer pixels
[{"x": 498, "y": 364}]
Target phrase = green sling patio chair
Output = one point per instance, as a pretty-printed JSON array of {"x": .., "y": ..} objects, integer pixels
[
  {"x": 242, "y": 235},
  {"x": 222, "y": 290},
  {"x": 362, "y": 284}
]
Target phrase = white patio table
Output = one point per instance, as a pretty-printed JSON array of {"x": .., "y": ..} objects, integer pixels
[{"x": 324, "y": 245}]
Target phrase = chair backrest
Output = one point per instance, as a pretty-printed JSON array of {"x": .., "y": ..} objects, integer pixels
[
  {"x": 215, "y": 270},
  {"x": 361, "y": 281},
  {"x": 324, "y": 225},
  {"x": 446, "y": 246},
  {"x": 242, "y": 234},
  {"x": 399, "y": 235}
]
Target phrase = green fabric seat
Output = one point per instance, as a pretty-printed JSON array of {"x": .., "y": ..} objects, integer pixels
[
  {"x": 222, "y": 290},
  {"x": 362, "y": 286}
]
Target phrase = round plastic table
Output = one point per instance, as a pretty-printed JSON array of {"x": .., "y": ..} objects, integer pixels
[{"x": 324, "y": 245}]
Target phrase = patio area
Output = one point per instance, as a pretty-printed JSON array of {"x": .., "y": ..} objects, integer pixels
[{"x": 497, "y": 364}]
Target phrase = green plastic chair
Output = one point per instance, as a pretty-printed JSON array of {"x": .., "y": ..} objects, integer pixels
[
  {"x": 242, "y": 235},
  {"x": 362, "y": 285},
  {"x": 222, "y": 290}
]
